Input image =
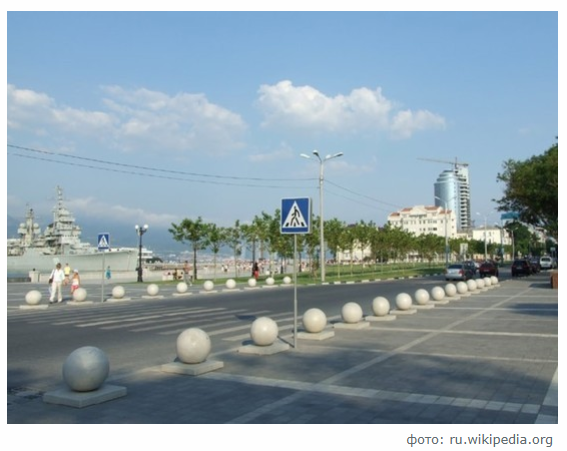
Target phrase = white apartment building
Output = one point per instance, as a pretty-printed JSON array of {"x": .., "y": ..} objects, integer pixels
[{"x": 422, "y": 220}]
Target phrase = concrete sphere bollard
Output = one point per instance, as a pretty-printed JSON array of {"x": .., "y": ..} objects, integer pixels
[
  {"x": 193, "y": 346},
  {"x": 403, "y": 301},
  {"x": 494, "y": 280},
  {"x": 85, "y": 369},
  {"x": 437, "y": 293},
  {"x": 314, "y": 320},
  {"x": 471, "y": 284},
  {"x": 118, "y": 292},
  {"x": 287, "y": 280},
  {"x": 421, "y": 296},
  {"x": 209, "y": 285},
  {"x": 252, "y": 282},
  {"x": 270, "y": 281},
  {"x": 487, "y": 281},
  {"x": 182, "y": 287},
  {"x": 480, "y": 283},
  {"x": 33, "y": 297},
  {"x": 351, "y": 313},
  {"x": 79, "y": 295},
  {"x": 450, "y": 290},
  {"x": 264, "y": 331},
  {"x": 380, "y": 306},
  {"x": 230, "y": 284},
  {"x": 152, "y": 289},
  {"x": 462, "y": 287}
]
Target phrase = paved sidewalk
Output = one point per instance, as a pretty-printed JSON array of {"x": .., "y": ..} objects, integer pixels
[{"x": 491, "y": 357}]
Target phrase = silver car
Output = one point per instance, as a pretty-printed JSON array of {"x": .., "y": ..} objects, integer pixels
[{"x": 459, "y": 271}]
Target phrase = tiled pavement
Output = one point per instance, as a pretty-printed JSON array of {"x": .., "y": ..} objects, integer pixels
[{"x": 491, "y": 357}]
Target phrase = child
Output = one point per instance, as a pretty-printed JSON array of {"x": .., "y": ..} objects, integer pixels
[{"x": 75, "y": 281}]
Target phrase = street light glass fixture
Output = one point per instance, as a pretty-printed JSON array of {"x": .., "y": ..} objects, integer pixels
[
  {"x": 321, "y": 218},
  {"x": 140, "y": 230},
  {"x": 446, "y": 232}
]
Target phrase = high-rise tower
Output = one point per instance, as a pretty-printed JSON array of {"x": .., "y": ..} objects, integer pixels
[{"x": 452, "y": 189}]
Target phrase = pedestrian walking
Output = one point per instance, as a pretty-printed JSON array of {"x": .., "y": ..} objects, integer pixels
[
  {"x": 187, "y": 273},
  {"x": 255, "y": 270},
  {"x": 56, "y": 279},
  {"x": 67, "y": 271},
  {"x": 108, "y": 274},
  {"x": 75, "y": 281}
]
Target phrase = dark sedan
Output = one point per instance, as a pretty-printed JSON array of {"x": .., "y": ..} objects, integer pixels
[
  {"x": 488, "y": 268},
  {"x": 521, "y": 267}
]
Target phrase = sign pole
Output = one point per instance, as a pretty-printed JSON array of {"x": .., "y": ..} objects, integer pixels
[
  {"x": 102, "y": 288},
  {"x": 295, "y": 291}
]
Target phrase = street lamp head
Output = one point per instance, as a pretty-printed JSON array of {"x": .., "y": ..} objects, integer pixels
[
  {"x": 305, "y": 156},
  {"x": 316, "y": 152}
]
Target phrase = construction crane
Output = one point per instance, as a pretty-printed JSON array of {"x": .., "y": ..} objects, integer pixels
[{"x": 455, "y": 163}]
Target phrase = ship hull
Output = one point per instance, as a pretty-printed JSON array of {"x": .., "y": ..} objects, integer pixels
[{"x": 32, "y": 260}]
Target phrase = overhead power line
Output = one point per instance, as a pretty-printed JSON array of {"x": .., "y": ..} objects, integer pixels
[{"x": 131, "y": 169}]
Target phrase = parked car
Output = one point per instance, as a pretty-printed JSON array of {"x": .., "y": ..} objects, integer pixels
[
  {"x": 536, "y": 267},
  {"x": 472, "y": 265},
  {"x": 459, "y": 271},
  {"x": 488, "y": 268},
  {"x": 546, "y": 262},
  {"x": 521, "y": 267}
]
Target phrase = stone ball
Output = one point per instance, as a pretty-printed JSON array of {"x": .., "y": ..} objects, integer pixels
[
  {"x": 270, "y": 281},
  {"x": 287, "y": 280},
  {"x": 193, "y": 346},
  {"x": 421, "y": 296},
  {"x": 480, "y": 283},
  {"x": 314, "y": 320},
  {"x": 182, "y": 287},
  {"x": 351, "y": 313},
  {"x": 471, "y": 284},
  {"x": 450, "y": 290},
  {"x": 86, "y": 369},
  {"x": 79, "y": 295},
  {"x": 494, "y": 280},
  {"x": 380, "y": 306},
  {"x": 462, "y": 287},
  {"x": 252, "y": 282},
  {"x": 403, "y": 301},
  {"x": 153, "y": 289},
  {"x": 264, "y": 331},
  {"x": 487, "y": 281},
  {"x": 230, "y": 284},
  {"x": 437, "y": 293},
  {"x": 118, "y": 292},
  {"x": 209, "y": 285},
  {"x": 33, "y": 297}
]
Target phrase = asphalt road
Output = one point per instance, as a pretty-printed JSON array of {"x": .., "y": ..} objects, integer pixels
[{"x": 142, "y": 333}]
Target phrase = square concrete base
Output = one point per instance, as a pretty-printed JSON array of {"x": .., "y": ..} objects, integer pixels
[
  {"x": 251, "y": 288},
  {"x": 319, "y": 336},
  {"x": 356, "y": 326},
  {"x": 441, "y": 302},
  {"x": 453, "y": 298},
  {"x": 118, "y": 299},
  {"x": 159, "y": 296},
  {"x": 208, "y": 292},
  {"x": 424, "y": 306},
  {"x": 79, "y": 302},
  {"x": 177, "y": 295},
  {"x": 34, "y": 307},
  {"x": 67, "y": 397},
  {"x": 380, "y": 318},
  {"x": 194, "y": 369},
  {"x": 264, "y": 350},
  {"x": 410, "y": 311}
]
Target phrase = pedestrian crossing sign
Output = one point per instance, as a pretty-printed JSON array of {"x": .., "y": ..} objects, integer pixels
[
  {"x": 103, "y": 241},
  {"x": 296, "y": 216}
]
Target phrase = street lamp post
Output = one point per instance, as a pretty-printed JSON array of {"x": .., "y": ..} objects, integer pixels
[
  {"x": 485, "y": 243},
  {"x": 140, "y": 230},
  {"x": 321, "y": 219}
]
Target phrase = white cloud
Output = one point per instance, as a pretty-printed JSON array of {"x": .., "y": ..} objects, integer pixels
[
  {"x": 91, "y": 207},
  {"x": 132, "y": 120},
  {"x": 283, "y": 153},
  {"x": 305, "y": 108}
]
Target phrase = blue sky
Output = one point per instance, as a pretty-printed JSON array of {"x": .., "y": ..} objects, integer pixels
[{"x": 206, "y": 114}]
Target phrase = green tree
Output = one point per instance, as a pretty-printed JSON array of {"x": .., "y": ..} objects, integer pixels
[
  {"x": 233, "y": 236},
  {"x": 429, "y": 246},
  {"x": 193, "y": 232},
  {"x": 532, "y": 190},
  {"x": 215, "y": 240}
]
